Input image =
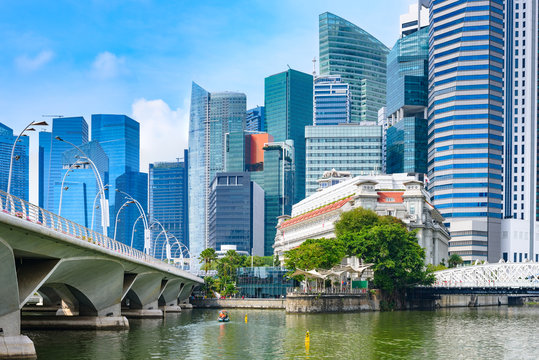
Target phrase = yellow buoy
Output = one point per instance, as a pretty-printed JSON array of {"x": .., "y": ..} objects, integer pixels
[
  {"x": 246, "y": 318},
  {"x": 307, "y": 341}
]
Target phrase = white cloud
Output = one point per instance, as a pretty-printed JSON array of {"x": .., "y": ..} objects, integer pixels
[
  {"x": 163, "y": 132},
  {"x": 107, "y": 65},
  {"x": 26, "y": 63}
]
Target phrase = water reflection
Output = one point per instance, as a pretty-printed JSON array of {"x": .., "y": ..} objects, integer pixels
[{"x": 492, "y": 333}]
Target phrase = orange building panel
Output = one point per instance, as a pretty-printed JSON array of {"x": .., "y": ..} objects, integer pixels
[{"x": 255, "y": 147}]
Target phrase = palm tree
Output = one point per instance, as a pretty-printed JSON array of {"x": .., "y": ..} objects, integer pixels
[
  {"x": 207, "y": 256},
  {"x": 454, "y": 260}
]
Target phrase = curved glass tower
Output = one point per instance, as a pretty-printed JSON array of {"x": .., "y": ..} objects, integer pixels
[
  {"x": 213, "y": 116},
  {"x": 360, "y": 59},
  {"x": 465, "y": 119}
]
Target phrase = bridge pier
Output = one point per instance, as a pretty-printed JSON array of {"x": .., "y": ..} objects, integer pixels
[
  {"x": 168, "y": 299},
  {"x": 13, "y": 345},
  {"x": 141, "y": 297}
]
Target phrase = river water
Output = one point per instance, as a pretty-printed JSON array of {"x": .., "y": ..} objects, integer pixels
[{"x": 462, "y": 333}]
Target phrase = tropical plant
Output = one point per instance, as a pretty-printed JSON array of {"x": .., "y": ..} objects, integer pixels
[
  {"x": 207, "y": 256},
  {"x": 454, "y": 260}
]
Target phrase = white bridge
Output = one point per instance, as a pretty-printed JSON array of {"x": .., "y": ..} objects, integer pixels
[{"x": 491, "y": 278}]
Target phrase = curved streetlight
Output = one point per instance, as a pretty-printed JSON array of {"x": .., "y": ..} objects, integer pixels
[
  {"x": 73, "y": 166},
  {"x": 105, "y": 188},
  {"x": 104, "y": 202},
  {"x": 180, "y": 244},
  {"x": 125, "y": 204},
  {"x": 144, "y": 220},
  {"x": 156, "y": 222},
  {"x": 133, "y": 230},
  {"x": 27, "y": 128}
]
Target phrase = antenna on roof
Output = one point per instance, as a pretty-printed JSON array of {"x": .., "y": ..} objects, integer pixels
[
  {"x": 314, "y": 66},
  {"x": 289, "y": 67}
]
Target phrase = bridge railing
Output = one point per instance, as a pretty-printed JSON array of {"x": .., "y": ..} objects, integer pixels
[{"x": 22, "y": 209}]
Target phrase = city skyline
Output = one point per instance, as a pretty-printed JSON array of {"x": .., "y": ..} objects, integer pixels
[{"x": 123, "y": 69}]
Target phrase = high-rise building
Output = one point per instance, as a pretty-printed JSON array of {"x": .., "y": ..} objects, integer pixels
[
  {"x": 76, "y": 193},
  {"x": 213, "y": 115},
  {"x": 74, "y": 130},
  {"x": 288, "y": 98},
  {"x": 331, "y": 101},
  {"x": 236, "y": 213},
  {"x": 45, "y": 143},
  {"x": 130, "y": 231},
  {"x": 407, "y": 98},
  {"x": 353, "y": 148},
  {"x": 416, "y": 18},
  {"x": 360, "y": 59},
  {"x": 466, "y": 123},
  {"x": 168, "y": 203},
  {"x": 20, "y": 168},
  {"x": 256, "y": 119},
  {"x": 519, "y": 233},
  {"x": 119, "y": 136}
]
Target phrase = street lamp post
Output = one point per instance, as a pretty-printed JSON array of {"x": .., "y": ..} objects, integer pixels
[
  {"x": 27, "y": 128},
  {"x": 105, "y": 188},
  {"x": 75, "y": 165},
  {"x": 125, "y": 204},
  {"x": 144, "y": 220},
  {"x": 133, "y": 230},
  {"x": 104, "y": 202}
]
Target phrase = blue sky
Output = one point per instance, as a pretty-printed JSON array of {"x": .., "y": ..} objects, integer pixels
[{"x": 139, "y": 57}]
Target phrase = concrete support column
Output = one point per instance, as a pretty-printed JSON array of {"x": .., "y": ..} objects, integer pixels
[
  {"x": 142, "y": 296},
  {"x": 168, "y": 299},
  {"x": 13, "y": 345}
]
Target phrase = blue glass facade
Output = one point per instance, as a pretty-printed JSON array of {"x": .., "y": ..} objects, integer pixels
[
  {"x": 45, "y": 143},
  {"x": 212, "y": 117},
  {"x": 168, "y": 202},
  {"x": 136, "y": 185},
  {"x": 256, "y": 119},
  {"x": 465, "y": 122},
  {"x": 20, "y": 170},
  {"x": 407, "y": 99},
  {"x": 119, "y": 136},
  {"x": 263, "y": 282},
  {"x": 331, "y": 101},
  {"x": 349, "y": 147},
  {"x": 74, "y": 130},
  {"x": 356, "y": 55},
  {"x": 80, "y": 189},
  {"x": 288, "y": 98}
]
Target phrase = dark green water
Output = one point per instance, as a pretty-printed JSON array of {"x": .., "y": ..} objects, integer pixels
[{"x": 481, "y": 333}]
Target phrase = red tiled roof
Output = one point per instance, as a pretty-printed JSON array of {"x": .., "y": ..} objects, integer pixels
[
  {"x": 314, "y": 213},
  {"x": 395, "y": 195}
]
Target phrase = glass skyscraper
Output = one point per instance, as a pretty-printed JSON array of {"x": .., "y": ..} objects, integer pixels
[
  {"x": 466, "y": 122},
  {"x": 168, "y": 202},
  {"x": 331, "y": 101},
  {"x": 353, "y": 148},
  {"x": 288, "y": 98},
  {"x": 74, "y": 130},
  {"x": 212, "y": 117},
  {"x": 119, "y": 136},
  {"x": 20, "y": 170},
  {"x": 256, "y": 119},
  {"x": 407, "y": 100},
  {"x": 45, "y": 143},
  {"x": 78, "y": 188},
  {"x": 360, "y": 59}
]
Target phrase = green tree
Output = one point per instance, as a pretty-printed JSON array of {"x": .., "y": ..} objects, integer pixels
[
  {"x": 315, "y": 254},
  {"x": 227, "y": 265},
  {"x": 209, "y": 285},
  {"x": 207, "y": 256},
  {"x": 355, "y": 220},
  {"x": 454, "y": 260}
]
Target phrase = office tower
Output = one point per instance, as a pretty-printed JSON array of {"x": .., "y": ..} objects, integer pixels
[
  {"x": 20, "y": 169},
  {"x": 288, "y": 98},
  {"x": 44, "y": 151},
  {"x": 360, "y": 59},
  {"x": 235, "y": 151},
  {"x": 76, "y": 192},
  {"x": 74, "y": 130},
  {"x": 353, "y": 148},
  {"x": 212, "y": 116},
  {"x": 331, "y": 100},
  {"x": 383, "y": 122},
  {"x": 519, "y": 240},
  {"x": 416, "y": 18},
  {"x": 130, "y": 231},
  {"x": 119, "y": 136},
  {"x": 168, "y": 203},
  {"x": 406, "y": 103},
  {"x": 256, "y": 119},
  {"x": 465, "y": 118},
  {"x": 236, "y": 213}
]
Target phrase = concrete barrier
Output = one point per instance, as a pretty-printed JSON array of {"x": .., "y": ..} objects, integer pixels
[
  {"x": 312, "y": 303},
  {"x": 239, "y": 303}
]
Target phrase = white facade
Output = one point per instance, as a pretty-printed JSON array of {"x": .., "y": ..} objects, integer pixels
[
  {"x": 409, "y": 21},
  {"x": 519, "y": 233},
  {"x": 397, "y": 195}
]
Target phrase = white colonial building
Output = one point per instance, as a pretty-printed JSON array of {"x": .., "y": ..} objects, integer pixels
[{"x": 398, "y": 195}]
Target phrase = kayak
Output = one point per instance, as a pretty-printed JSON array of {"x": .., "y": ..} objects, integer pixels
[{"x": 224, "y": 319}]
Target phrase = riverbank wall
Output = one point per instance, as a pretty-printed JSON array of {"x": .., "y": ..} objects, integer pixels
[
  {"x": 239, "y": 303},
  {"x": 315, "y": 303}
]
